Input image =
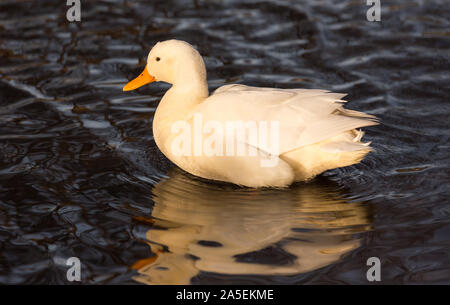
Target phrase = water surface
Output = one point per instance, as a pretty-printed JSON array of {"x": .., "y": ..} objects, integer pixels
[{"x": 80, "y": 174}]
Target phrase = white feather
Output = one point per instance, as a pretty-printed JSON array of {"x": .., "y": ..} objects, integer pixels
[{"x": 306, "y": 116}]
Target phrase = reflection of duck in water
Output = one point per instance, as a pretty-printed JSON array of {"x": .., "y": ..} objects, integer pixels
[{"x": 219, "y": 229}]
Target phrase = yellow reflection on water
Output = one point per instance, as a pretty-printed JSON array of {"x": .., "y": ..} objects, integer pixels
[{"x": 205, "y": 226}]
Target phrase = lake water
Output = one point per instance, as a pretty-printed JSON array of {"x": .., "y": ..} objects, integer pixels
[{"x": 80, "y": 174}]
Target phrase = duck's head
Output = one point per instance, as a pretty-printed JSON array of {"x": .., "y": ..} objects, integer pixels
[{"x": 171, "y": 61}]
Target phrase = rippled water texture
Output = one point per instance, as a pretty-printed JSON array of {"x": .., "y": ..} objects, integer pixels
[{"x": 80, "y": 174}]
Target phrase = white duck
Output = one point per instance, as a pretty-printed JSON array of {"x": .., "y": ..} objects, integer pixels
[{"x": 315, "y": 133}]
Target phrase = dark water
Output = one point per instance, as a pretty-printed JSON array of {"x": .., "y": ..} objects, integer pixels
[{"x": 80, "y": 174}]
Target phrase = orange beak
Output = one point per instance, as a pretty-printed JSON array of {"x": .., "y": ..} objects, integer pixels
[{"x": 143, "y": 79}]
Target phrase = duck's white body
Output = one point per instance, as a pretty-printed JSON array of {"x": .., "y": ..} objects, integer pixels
[{"x": 315, "y": 132}]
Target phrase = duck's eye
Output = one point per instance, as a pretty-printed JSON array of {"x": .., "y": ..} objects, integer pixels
[{"x": 158, "y": 59}]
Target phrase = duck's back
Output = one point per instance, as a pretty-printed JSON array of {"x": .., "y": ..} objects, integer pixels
[
  {"x": 305, "y": 116},
  {"x": 315, "y": 132}
]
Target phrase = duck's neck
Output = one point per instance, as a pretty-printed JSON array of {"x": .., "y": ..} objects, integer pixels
[
  {"x": 188, "y": 90},
  {"x": 177, "y": 105},
  {"x": 180, "y": 99}
]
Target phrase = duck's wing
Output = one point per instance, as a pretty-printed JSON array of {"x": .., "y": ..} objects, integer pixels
[{"x": 305, "y": 116}]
